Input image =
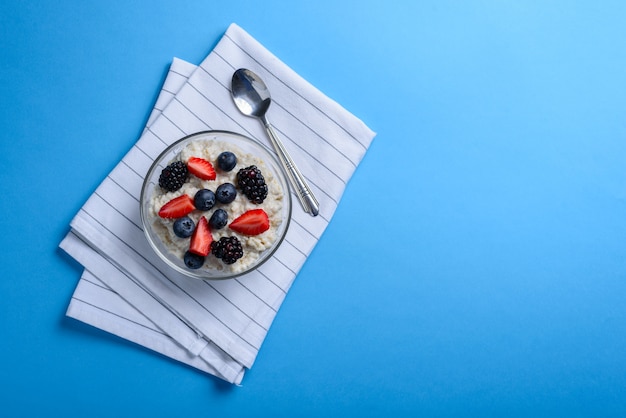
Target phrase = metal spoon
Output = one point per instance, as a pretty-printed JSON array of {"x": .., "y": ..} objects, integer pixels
[{"x": 253, "y": 99}]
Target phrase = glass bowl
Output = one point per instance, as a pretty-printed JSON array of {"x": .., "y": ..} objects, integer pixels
[{"x": 257, "y": 249}]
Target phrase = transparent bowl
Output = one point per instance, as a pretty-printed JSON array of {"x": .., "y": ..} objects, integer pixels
[{"x": 170, "y": 248}]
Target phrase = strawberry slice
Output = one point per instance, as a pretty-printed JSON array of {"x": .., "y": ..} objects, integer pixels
[
  {"x": 177, "y": 207},
  {"x": 201, "y": 168},
  {"x": 201, "y": 238},
  {"x": 252, "y": 222}
]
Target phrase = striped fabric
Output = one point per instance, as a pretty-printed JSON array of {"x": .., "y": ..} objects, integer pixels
[{"x": 215, "y": 326}]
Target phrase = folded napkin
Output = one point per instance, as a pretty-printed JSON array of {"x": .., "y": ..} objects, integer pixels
[{"x": 214, "y": 326}]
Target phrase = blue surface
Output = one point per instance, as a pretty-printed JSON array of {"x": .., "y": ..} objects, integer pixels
[{"x": 476, "y": 265}]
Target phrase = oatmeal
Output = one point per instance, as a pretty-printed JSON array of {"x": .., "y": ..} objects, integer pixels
[{"x": 216, "y": 207}]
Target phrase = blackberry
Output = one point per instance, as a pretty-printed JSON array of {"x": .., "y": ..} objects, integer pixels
[
  {"x": 173, "y": 176},
  {"x": 228, "y": 249},
  {"x": 252, "y": 183}
]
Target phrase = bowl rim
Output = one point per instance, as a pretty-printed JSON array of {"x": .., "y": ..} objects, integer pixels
[{"x": 278, "y": 172}]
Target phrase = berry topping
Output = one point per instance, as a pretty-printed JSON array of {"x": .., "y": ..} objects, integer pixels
[
  {"x": 226, "y": 161},
  {"x": 177, "y": 207},
  {"x": 252, "y": 183},
  {"x": 201, "y": 239},
  {"x": 204, "y": 199},
  {"x": 252, "y": 222},
  {"x": 193, "y": 261},
  {"x": 226, "y": 193},
  {"x": 183, "y": 227},
  {"x": 228, "y": 249},
  {"x": 173, "y": 176},
  {"x": 201, "y": 168},
  {"x": 218, "y": 220}
]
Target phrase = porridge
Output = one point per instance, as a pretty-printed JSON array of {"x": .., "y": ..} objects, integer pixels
[{"x": 216, "y": 207}]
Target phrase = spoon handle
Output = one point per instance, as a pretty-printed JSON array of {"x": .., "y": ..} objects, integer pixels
[{"x": 307, "y": 199}]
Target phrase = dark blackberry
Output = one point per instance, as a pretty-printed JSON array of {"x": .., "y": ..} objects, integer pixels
[
  {"x": 252, "y": 183},
  {"x": 228, "y": 249},
  {"x": 173, "y": 176}
]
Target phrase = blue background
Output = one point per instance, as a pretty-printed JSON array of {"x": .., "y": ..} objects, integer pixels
[{"x": 475, "y": 266}]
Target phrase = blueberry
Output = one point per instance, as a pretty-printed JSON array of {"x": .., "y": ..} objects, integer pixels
[
  {"x": 204, "y": 199},
  {"x": 219, "y": 219},
  {"x": 183, "y": 227},
  {"x": 226, "y": 193},
  {"x": 193, "y": 261},
  {"x": 226, "y": 161}
]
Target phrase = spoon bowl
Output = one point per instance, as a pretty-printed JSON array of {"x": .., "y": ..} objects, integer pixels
[
  {"x": 250, "y": 94},
  {"x": 252, "y": 98}
]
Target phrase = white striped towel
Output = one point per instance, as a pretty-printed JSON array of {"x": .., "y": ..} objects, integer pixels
[{"x": 215, "y": 326}]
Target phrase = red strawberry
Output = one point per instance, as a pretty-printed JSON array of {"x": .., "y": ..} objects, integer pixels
[
  {"x": 177, "y": 207},
  {"x": 201, "y": 238},
  {"x": 252, "y": 222},
  {"x": 201, "y": 168}
]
